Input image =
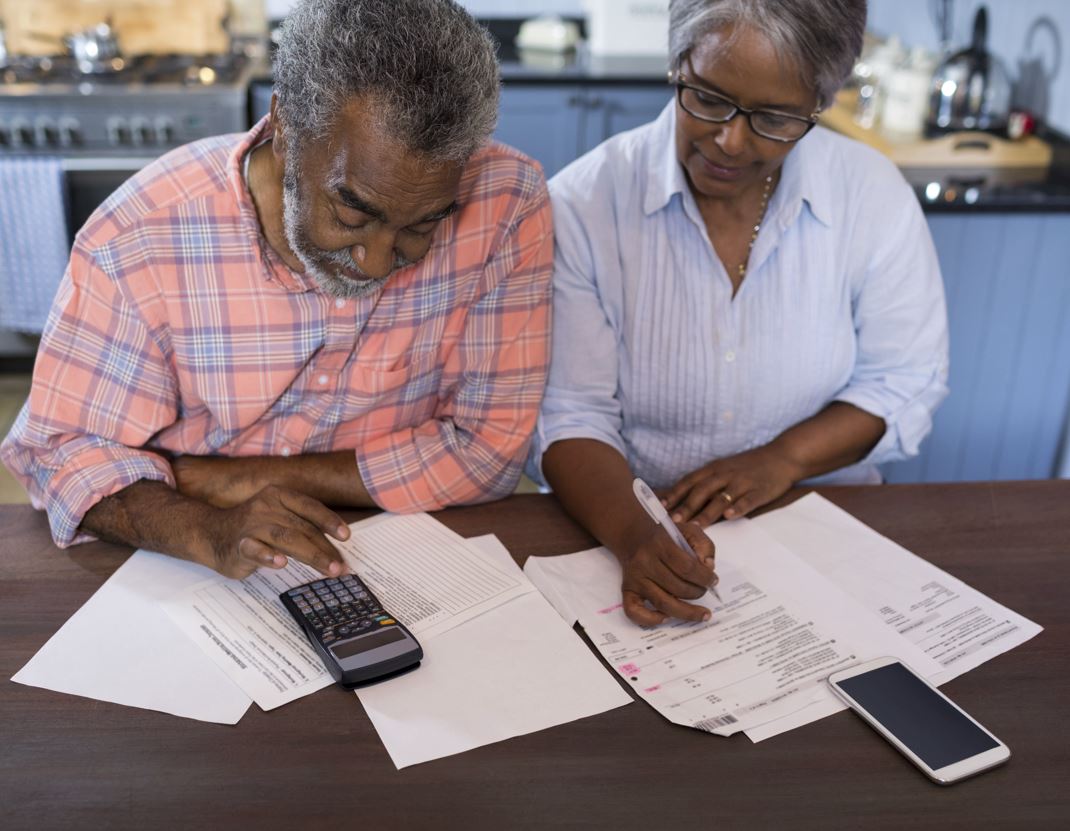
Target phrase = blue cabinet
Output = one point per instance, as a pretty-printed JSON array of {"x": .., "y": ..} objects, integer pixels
[
  {"x": 1007, "y": 278},
  {"x": 612, "y": 110},
  {"x": 555, "y": 124},
  {"x": 545, "y": 122}
]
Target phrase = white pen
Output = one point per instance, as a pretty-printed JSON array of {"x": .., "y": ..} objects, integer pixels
[{"x": 650, "y": 502}]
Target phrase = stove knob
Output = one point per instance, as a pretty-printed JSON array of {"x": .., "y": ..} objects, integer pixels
[
  {"x": 140, "y": 131},
  {"x": 21, "y": 133},
  {"x": 46, "y": 133},
  {"x": 165, "y": 131},
  {"x": 70, "y": 132},
  {"x": 118, "y": 131}
]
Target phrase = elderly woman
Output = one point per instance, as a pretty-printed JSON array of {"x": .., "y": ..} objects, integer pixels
[{"x": 742, "y": 300}]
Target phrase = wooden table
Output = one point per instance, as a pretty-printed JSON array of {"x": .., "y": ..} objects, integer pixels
[{"x": 71, "y": 762}]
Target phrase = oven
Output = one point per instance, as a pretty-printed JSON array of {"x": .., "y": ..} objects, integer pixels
[
  {"x": 101, "y": 128},
  {"x": 70, "y": 137}
]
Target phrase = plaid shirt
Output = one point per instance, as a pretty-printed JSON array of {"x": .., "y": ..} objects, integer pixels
[{"x": 176, "y": 328}]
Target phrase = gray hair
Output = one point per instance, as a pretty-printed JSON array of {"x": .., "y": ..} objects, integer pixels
[
  {"x": 823, "y": 37},
  {"x": 427, "y": 65}
]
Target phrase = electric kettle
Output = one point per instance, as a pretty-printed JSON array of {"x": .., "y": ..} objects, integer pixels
[{"x": 971, "y": 90}]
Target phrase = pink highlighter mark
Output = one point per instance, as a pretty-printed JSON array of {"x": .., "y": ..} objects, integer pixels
[
  {"x": 655, "y": 688},
  {"x": 609, "y": 609},
  {"x": 629, "y": 669}
]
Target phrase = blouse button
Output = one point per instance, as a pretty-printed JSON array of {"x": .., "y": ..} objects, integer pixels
[
  {"x": 729, "y": 356},
  {"x": 285, "y": 451},
  {"x": 340, "y": 303},
  {"x": 322, "y": 380}
]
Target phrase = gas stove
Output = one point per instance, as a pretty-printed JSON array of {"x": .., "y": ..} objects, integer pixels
[{"x": 136, "y": 108}]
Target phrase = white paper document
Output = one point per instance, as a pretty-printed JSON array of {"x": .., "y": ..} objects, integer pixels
[
  {"x": 514, "y": 670},
  {"x": 122, "y": 647},
  {"x": 243, "y": 628},
  {"x": 427, "y": 576},
  {"x": 957, "y": 626},
  {"x": 765, "y": 652}
]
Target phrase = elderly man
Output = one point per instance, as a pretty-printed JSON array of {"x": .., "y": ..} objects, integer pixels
[{"x": 349, "y": 305}]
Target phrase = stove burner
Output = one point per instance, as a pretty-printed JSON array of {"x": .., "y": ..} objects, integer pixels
[{"x": 185, "y": 70}]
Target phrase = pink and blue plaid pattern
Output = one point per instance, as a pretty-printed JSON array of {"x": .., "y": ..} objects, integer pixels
[{"x": 177, "y": 330}]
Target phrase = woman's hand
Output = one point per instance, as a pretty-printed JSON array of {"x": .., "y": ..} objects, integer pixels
[
  {"x": 658, "y": 573},
  {"x": 731, "y": 487}
]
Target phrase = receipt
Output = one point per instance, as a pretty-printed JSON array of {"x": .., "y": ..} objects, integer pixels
[{"x": 765, "y": 652}]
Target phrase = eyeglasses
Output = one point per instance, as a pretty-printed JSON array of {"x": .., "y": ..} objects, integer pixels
[{"x": 709, "y": 106}]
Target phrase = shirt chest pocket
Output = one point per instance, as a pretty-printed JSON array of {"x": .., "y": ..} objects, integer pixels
[{"x": 370, "y": 385}]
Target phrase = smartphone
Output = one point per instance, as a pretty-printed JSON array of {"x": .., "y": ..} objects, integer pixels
[{"x": 924, "y": 724}]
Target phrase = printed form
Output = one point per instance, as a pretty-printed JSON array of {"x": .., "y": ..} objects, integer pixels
[
  {"x": 955, "y": 625},
  {"x": 430, "y": 578},
  {"x": 764, "y": 654}
]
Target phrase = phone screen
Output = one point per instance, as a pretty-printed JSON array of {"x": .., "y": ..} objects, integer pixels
[{"x": 934, "y": 730}]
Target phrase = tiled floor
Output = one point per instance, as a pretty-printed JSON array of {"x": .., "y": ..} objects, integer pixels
[{"x": 13, "y": 392}]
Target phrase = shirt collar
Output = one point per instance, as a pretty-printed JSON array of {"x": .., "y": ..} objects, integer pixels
[
  {"x": 666, "y": 177},
  {"x": 804, "y": 181},
  {"x": 803, "y": 177},
  {"x": 274, "y": 267}
]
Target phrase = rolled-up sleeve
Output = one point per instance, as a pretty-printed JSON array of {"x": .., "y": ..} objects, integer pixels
[
  {"x": 581, "y": 400},
  {"x": 101, "y": 389},
  {"x": 900, "y": 318},
  {"x": 474, "y": 448}
]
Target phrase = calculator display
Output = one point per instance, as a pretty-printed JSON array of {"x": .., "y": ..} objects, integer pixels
[{"x": 363, "y": 644}]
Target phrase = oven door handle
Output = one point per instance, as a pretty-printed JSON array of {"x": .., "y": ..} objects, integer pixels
[{"x": 106, "y": 164}]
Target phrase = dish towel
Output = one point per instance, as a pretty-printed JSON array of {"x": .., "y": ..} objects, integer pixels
[{"x": 34, "y": 246}]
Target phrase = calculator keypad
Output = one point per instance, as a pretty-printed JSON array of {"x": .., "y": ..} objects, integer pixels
[{"x": 339, "y": 607}]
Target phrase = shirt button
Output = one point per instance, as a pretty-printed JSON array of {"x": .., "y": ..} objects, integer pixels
[
  {"x": 285, "y": 451},
  {"x": 322, "y": 380},
  {"x": 340, "y": 303},
  {"x": 729, "y": 356}
]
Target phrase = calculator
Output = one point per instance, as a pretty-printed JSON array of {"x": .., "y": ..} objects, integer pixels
[{"x": 356, "y": 638}]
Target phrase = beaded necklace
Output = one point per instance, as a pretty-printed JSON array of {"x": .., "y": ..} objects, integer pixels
[{"x": 741, "y": 270}]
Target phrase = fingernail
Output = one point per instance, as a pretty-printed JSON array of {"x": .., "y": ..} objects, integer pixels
[
  {"x": 677, "y": 517},
  {"x": 334, "y": 568},
  {"x": 708, "y": 562},
  {"x": 730, "y": 513},
  {"x": 279, "y": 560},
  {"x": 705, "y": 617},
  {"x": 342, "y": 532},
  {"x": 665, "y": 503}
]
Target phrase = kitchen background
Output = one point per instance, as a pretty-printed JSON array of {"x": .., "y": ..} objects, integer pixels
[{"x": 82, "y": 107}]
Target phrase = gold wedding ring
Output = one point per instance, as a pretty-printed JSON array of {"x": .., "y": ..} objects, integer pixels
[{"x": 727, "y": 497}]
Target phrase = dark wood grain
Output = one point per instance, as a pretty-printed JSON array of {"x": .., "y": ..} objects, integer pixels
[{"x": 68, "y": 762}]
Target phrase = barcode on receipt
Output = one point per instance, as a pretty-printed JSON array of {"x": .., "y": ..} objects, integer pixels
[{"x": 711, "y": 724}]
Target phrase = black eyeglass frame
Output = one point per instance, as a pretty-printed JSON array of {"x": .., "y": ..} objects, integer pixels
[{"x": 675, "y": 78}]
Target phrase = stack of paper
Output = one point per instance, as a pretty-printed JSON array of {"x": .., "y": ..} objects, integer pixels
[
  {"x": 498, "y": 662},
  {"x": 808, "y": 590}
]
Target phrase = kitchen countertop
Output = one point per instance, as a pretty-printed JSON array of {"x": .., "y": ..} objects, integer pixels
[{"x": 940, "y": 190}]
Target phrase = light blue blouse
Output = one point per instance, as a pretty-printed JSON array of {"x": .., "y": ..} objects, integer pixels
[{"x": 842, "y": 301}]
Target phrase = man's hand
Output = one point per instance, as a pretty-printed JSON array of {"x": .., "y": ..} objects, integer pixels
[
  {"x": 731, "y": 487},
  {"x": 275, "y": 524},
  {"x": 658, "y": 573},
  {"x": 222, "y": 482}
]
